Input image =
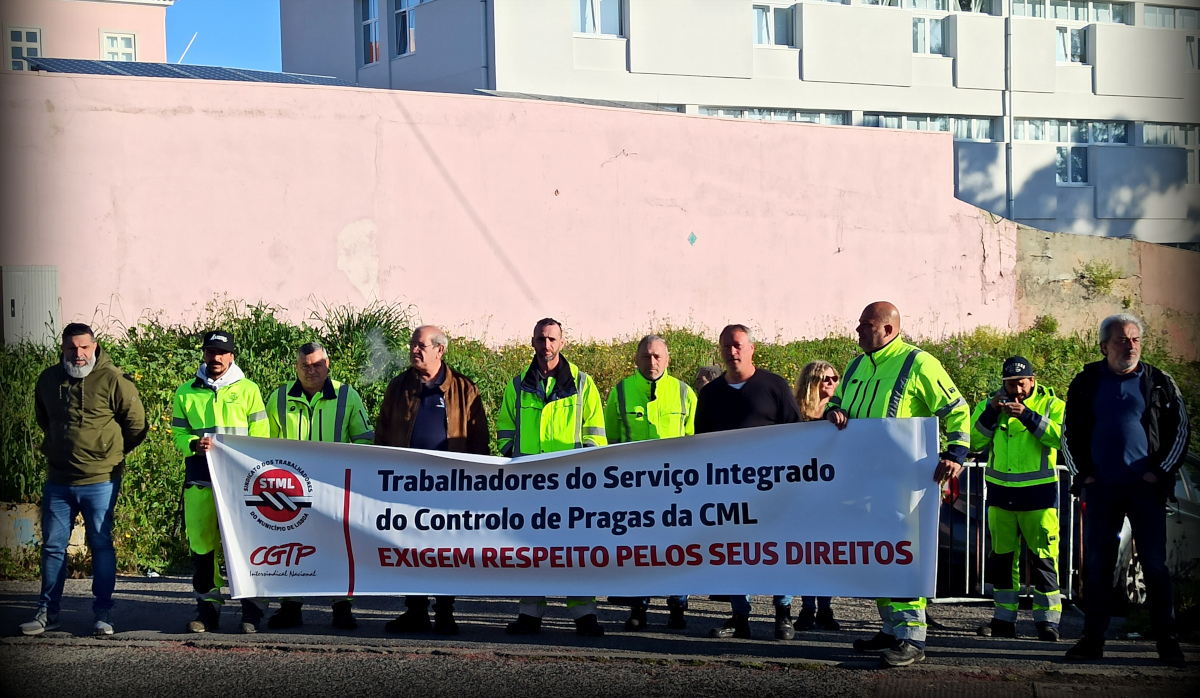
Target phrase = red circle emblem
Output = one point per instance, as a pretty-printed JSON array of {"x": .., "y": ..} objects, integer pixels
[{"x": 277, "y": 488}]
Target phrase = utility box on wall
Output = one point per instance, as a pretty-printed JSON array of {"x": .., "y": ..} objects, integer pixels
[{"x": 32, "y": 310}]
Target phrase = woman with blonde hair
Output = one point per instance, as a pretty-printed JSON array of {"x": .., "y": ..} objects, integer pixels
[{"x": 814, "y": 387}]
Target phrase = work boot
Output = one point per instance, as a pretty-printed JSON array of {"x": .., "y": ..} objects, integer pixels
[
  {"x": 414, "y": 620},
  {"x": 588, "y": 626},
  {"x": 1169, "y": 652},
  {"x": 42, "y": 621},
  {"x": 637, "y": 619},
  {"x": 826, "y": 621},
  {"x": 737, "y": 626},
  {"x": 102, "y": 627},
  {"x": 1047, "y": 632},
  {"x": 1090, "y": 647},
  {"x": 208, "y": 618},
  {"x": 286, "y": 616},
  {"x": 998, "y": 628},
  {"x": 343, "y": 616},
  {"x": 807, "y": 620},
  {"x": 903, "y": 654},
  {"x": 524, "y": 625},
  {"x": 251, "y": 615},
  {"x": 676, "y": 621},
  {"x": 444, "y": 623},
  {"x": 879, "y": 643},
  {"x": 783, "y": 623}
]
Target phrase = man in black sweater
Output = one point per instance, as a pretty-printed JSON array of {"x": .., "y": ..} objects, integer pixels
[{"x": 742, "y": 397}]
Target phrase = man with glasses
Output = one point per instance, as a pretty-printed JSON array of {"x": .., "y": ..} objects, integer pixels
[
  {"x": 315, "y": 407},
  {"x": 433, "y": 407}
]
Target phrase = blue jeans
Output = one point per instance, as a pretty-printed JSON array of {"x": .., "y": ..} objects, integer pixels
[
  {"x": 1107, "y": 507},
  {"x": 814, "y": 601},
  {"x": 60, "y": 504},
  {"x": 741, "y": 604}
]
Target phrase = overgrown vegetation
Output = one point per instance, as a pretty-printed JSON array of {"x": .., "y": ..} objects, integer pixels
[
  {"x": 368, "y": 346},
  {"x": 1098, "y": 276}
]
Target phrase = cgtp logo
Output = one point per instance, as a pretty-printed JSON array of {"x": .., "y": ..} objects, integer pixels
[
  {"x": 277, "y": 491},
  {"x": 287, "y": 554}
]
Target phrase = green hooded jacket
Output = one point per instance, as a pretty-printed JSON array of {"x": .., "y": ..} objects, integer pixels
[{"x": 90, "y": 423}]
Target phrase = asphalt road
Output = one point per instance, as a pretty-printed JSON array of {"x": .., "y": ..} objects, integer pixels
[{"x": 150, "y": 655}]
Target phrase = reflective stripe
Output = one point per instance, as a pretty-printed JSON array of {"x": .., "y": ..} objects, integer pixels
[
  {"x": 621, "y": 407},
  {"x": 958, "y": 436},
  {"x": 281, "y": 410},
  {"x": 257, "y": 416},
  {"x": 949, "y": 408},
  {"x": 181, "y": 422},
  {"x": 987, "y": 433},
  {"x": 516, "y": 442},
  {"x": 901, "y": 383},
  {"x": 1181, "y": 433},
  {"x": 1008, "y": 598},
  {"x": 1040, "y": 427},
  {"x": 683, "y": 413},
  {"x": 232, "y": 431},
  {"x": 1066, "y": 450},
  {"x": 579, "y": 409},
  {"x": 1044, "y": 472},
  {"x": 340, "y": 414},
  {"x": 594, "y": 431},
  {"x": 365, "y": 435}
]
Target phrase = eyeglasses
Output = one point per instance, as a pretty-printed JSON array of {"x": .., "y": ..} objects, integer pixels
[
  {"x": 829, "y": 379},
  {"x": 423, "y": 347}
]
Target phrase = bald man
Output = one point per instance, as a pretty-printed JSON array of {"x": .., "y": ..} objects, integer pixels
[{"x": 893, "y": 378}]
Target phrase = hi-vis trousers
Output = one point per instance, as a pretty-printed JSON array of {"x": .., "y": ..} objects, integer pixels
[{"x": 1039, "y": 529}]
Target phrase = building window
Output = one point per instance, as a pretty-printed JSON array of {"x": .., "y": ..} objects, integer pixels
[
  {"x": 1028, "y": 8},
  {"x": 965, "y": 128},
  {"x": 927, "y": 35},
  {"x": 969, "y": 128},
  {"x": 406, "y": 26},
  {"x": 984, "y": 6},
  {"x": 1193, "y": 60},
  {"x": 810, "y": 117},
  {"x": 1110, "y": 12},
  {"x": 773, "y": 26},
  {"x": 1064, "y": 131},
  {"x": 1186, "y": 19},
  {"x": 1070, "y": 164},
  {"x": 943, "y": 5},
  {"x": 1179, "y": 136},
  {"x": 599, "y": 17},
  {"x": 370, "y": 31},
  {"x": 118, "y": 47},
  {"x": 1159, "y": 16},
  {"x": 882, "y": 3},
  {"x": 23, "y": 43},
  {"x": 1070, "y": 45}
]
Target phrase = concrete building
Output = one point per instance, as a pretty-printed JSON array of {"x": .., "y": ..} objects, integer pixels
[
  {"x": 109, "y": 30},
  {"x": 1067, "y": 115}
]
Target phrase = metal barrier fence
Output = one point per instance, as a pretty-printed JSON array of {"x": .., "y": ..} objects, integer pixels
[{"x": 964, "y": 540}]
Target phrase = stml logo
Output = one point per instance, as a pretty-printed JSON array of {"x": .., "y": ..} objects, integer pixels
[{"x": 278, "y": 495}]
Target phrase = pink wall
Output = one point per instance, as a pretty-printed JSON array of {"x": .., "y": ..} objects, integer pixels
[
  {"x": 485, "y": 213},
  {"x": 71, "y": 28}
]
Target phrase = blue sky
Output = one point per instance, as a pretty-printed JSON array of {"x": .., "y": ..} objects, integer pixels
[{"x": 232, "y": 33}]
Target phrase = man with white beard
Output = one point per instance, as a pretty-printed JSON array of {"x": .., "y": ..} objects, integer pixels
[{"x": 92, "y": 418}]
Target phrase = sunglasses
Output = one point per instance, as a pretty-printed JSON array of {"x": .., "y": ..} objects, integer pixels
[{"x": 829, "y": 379}]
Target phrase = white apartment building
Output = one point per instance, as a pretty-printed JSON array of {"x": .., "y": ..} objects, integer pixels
[{"x": 1068, "y": 115}]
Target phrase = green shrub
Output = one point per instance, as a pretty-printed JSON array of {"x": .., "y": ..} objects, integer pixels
[{"x": 367, "y": 347}]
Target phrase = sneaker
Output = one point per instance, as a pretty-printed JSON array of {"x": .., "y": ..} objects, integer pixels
[
  {"x": 524, "y": 625},
  {"x": 903, "y": 654},
  {"x": 783, "y": 623},
  {"x": 676, "y": 621},
  {"x": 414, "y": 620},
  {"x": 343, "y": 616},
  {"x": 251, "y": 615},
  {"x": 738, "y": 626},
  {"x": 208, "y": 617},
  {"x": 1090, "y": 647},
  {"x": 637, "y": 619},
  {"x": 807, "y": 620},
  {"x": 1047, "y": 632},
  {"x": 1169, "y": 652},
  {"x": 103, "y": 625},
  {"x": 826, "y": 621},
  {"x": 444, "y": 623},
  {"x": 879, "y": 643},
  {"x": 42, "y": 621},
  {"x": 998, "y": 628},
  {"x": 588, "y": 626},
  {"x": 287, "y": 616}
]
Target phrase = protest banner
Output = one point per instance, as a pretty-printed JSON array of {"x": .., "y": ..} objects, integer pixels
[{"x": 797, "y": 508}]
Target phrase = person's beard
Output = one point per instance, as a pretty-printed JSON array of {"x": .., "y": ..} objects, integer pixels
[{"x": 79, "y": 371}]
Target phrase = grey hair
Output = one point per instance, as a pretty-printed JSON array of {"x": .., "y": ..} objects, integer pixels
[
  {"x": 730, "y": 329},
  {"x": 651, "y": 339},
  {"x": 1118, "y": 320},
  {"x": 438, "y": 337},
  {"x": 311, "y": 348}
]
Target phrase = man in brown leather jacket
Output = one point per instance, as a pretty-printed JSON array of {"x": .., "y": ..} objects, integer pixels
[{"x": 431, "y": 406}]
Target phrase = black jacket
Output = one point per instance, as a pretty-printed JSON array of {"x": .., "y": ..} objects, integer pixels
[{"x": 1165, "y": 421}]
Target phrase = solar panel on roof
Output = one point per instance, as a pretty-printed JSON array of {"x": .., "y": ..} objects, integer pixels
[
  {"x": 263, "y": 76},
  {"x": 207, "y": 72},
  {"x": 166, "y": 70},
  {"x": 68, "y": 65},
  {"x": 149, "y": 70}
]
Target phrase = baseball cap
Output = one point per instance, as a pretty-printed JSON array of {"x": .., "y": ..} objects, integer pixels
[
  {"x": 1016, "y": 367},
  {"x": 219, "y": 339}
]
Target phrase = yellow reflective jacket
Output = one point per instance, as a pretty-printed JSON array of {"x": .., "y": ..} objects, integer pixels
[
  {"x": 559, "y": 413},
  {"x": 333, "y": 414},
  {"x": 235, "y": 406},
  {"x": 900, "y": 380},
  {"x": 639, "y": 410},
  {"x": 1023, "y": 451}
]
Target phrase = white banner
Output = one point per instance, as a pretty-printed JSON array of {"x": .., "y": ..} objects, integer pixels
[{"x": 790, "y": 509}]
